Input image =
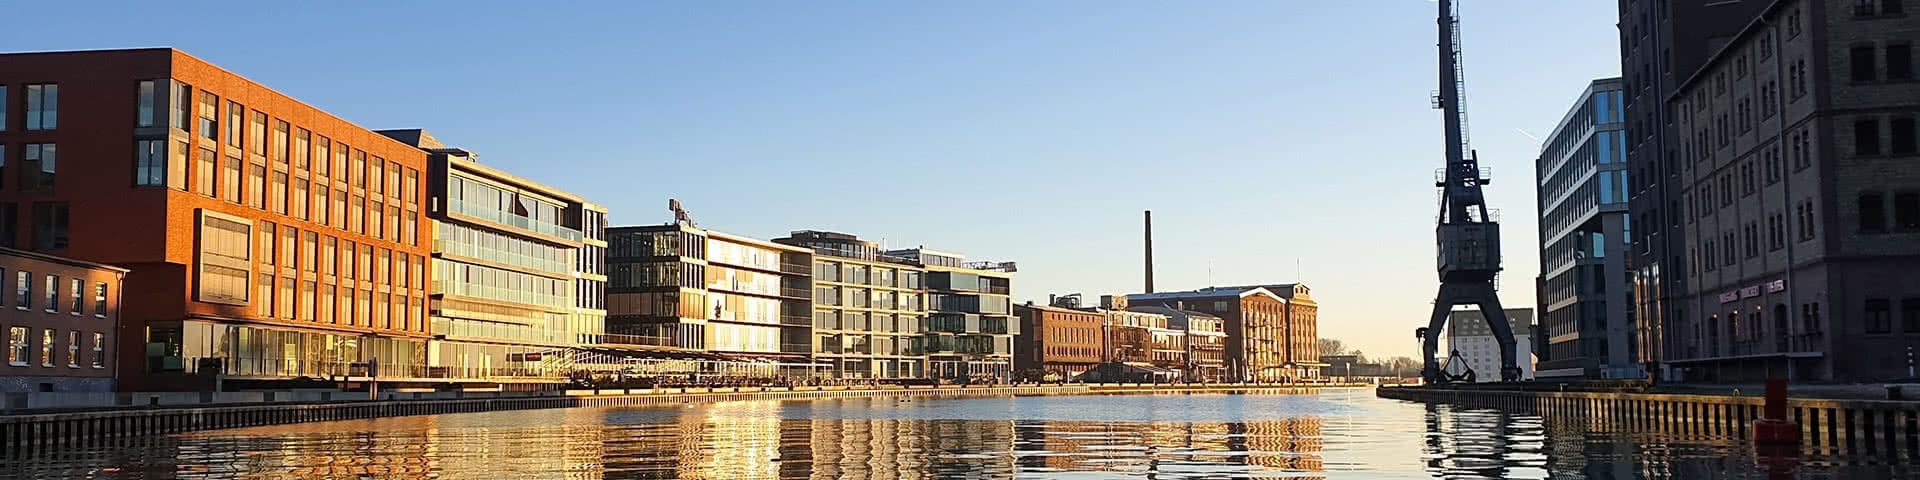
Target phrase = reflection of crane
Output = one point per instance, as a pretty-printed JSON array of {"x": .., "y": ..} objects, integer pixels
[{"x": 1469, "y": 236}]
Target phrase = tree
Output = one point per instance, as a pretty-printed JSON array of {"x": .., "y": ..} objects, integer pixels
[
  {"x": 1332, "y": 346},
  {"x": 1405, "y": 366}
]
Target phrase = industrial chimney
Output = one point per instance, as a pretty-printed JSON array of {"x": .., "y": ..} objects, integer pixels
[{"x": 1149, "y": 251}]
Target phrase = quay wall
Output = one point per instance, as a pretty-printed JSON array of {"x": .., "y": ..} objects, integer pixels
[
  {"x": 41, "y": 423},
  {"x": 1886, "y": 428}
]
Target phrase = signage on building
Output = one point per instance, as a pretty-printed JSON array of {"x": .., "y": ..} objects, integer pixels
[
  {"x": 1729, "y": 297},
  {"x": 1777, "y": 286},
  {"x": 1750, "y": 292}
]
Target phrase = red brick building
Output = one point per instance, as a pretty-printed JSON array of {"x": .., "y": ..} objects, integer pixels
[
  {"x": 60, "y": 332},
  {"x": 1272, "y": 330},
  {"x": 1061, "y": 341},
  {"x": 267, "y": 240}
]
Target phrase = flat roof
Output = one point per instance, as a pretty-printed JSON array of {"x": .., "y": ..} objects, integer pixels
[{"x": 60, "y": 260}]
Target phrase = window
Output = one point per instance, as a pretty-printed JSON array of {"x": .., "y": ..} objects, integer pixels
[
  {"x": 230, "y": 180},
  {"x": 279, "y": 193},
  {"x": 49, "y": 226},
  {"x": 299, "y": 198},
  {"x": 43, "y": 106},
  {"x": 301, "y": 149},
  {"x": 144, "y": 107},
  {"x": 23, "y": 290},
  {"x": 179, "y": 105},
  {"x": 235, "y": 113},
  {"x": 264, "y": 306},
  {"x": 53, "y": 292},
  {"x": 100, "y": 296},
  {"x": 3, "y": 107},
  {"x": 149, "y": 163},
  {"x": 1879, "y": 315},
  {"x": 1902, "y": 136},
  {"x": 1873, "y": 212},
  {"x": 1866, "y": 136},
  {"x": 99, "y": 350},
  {"x": 277, "y": 153},
  {"x": 257, "y": 133},
  {"x": 209, "y": 115},
  {"x": 256, "y": 184},
  {"x": 73, "y": 349},
  {"x": 1863, "y": 8},
  {"x": 321, "y": 199},
  {"x": 79, "y": 296},
  {"x": 37, "y": 167},
  {"x": 46, "y": 347},
  {"x": 203, "y": 168},
  {"x": 1861, "y": 63},
  {"x": 17, "y": 346},
  {"x": 1899, "y": 61}
]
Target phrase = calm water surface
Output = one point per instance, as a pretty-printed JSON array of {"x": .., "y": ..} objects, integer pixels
[{"x": 1334, "y": 435}]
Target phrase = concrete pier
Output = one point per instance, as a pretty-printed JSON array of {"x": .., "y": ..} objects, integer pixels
[
  {"x": 1883, "y": 428},
  {"x": 42, "y": 430}
]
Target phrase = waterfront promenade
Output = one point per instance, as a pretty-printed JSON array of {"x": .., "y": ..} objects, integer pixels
[{"x": 29, "y": 430}]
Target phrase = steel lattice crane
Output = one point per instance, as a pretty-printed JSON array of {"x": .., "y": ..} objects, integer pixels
[{"x": 1468, "y": 233}]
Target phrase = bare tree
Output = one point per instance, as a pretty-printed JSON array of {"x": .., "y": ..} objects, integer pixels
[{"x": 1332, "y": 346}]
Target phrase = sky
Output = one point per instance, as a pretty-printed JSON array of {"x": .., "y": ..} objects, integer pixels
[{"x": 1274, "y": 141}]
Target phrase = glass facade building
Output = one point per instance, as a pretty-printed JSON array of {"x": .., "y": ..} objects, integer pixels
[
  {"x": 1584, "y": 290},
  {"x": 970, "y": 322},
  {"x": 710, "y": 291},
  {"x": 869, "y": 309},
  {"x": 508, "y": 269}
]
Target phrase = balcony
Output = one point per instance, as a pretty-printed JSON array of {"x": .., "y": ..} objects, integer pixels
[
  {"x": 796, "y": 348},
  {"x": 805, "y": 293},
  {"x": 796, "y": 320},
  {"x": 620, "y": 339},
  {"x": 796, "y": 268},
  {"x": 544, "y": 228}
]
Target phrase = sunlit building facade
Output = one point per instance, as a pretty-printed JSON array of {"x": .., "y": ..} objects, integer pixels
[
  {"x": 505, "y": 257},
  {"x": 266, "y": 239},
  {"x": 1585, "y": 300},
  {"x": 710, "y": 291},
  {"x": 869, "y": 309},
  {"x": 970, "y": 325}
]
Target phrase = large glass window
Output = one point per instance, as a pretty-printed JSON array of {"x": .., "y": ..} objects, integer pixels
[
  {"x": 149, "y": 163},
  {"x": 37, "y": 167},
  {"x": 43, "y": 106},
  {"x": 50, "y": 226},
  {"x": 144, "y": 100}
]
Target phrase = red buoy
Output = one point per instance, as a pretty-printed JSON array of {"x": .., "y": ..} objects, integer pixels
[{"x": 1773, "y": 428}]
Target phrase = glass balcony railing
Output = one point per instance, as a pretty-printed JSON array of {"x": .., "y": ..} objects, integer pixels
[{"x": 496, "y": 216}]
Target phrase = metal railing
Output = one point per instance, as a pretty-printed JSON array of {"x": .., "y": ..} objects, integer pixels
[{"x": 496, "y": 216}]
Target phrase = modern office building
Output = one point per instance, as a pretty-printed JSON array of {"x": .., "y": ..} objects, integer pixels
[
  {"x": 1661, "y": 44},
  {"x": 1205, "y": 339},
  {"x": 506, "y": 254},
  {"x": 1263, "y": 333},
  {"x": 266, "y": 240},
  {"x": 970, "y": 325},
  {"x": 1469, "y": 335},
  {"x": 869, "y": 308},
  {"x": 1062, "y": 342},
  {"x": 1799, "y": 198},
  {"x": 704, "y": 290},
  {"x": 1582, "y": 180},
  {"x": 60, "y": 334}
]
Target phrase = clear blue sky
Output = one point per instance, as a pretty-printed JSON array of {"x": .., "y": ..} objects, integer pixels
[{"x": 1259, "y": 133}]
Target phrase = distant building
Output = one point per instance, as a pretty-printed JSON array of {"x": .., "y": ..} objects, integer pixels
[
  {"x": 698, "y": 289},
  {"x": 1270, "y": 337},
  {"x": 970, "y": 325},
  {"x": 1469, "y": 334},
  {"x": 1584, "y": 290},
  {"x": 869, "y": 309},
  {"x": 1063, "y": 342},
  {"x": 60, "y": 334},
  {"x": 1204, "y": 338}
]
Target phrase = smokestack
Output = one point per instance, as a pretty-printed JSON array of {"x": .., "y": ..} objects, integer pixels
[{"x": 1149, "y": 265}]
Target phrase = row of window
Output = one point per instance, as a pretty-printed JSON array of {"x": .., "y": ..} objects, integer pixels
[
  {"x": 290, "y": 175},
  {"x": 20, "y": 352},
  {"x": 49, "y": 295},
  {"x": 313, "y": 271},
  {"x": 43, "y": 106}
]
